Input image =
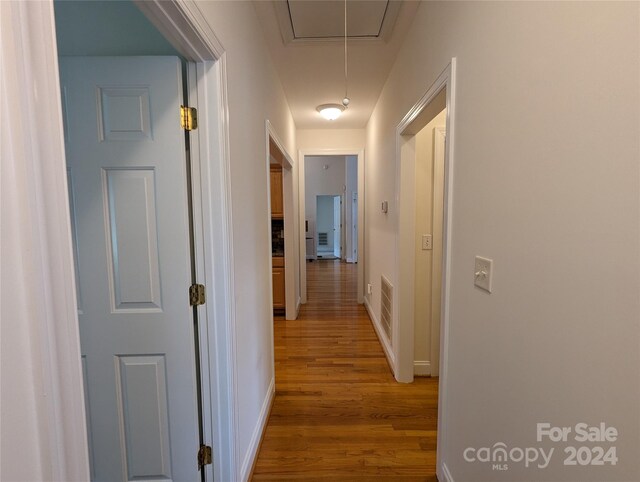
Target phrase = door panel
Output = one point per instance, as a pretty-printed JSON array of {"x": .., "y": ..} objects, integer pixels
[{"x": 126, "y": 158}]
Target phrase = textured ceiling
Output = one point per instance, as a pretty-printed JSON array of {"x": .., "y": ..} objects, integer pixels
[{"x": 312, "y": 70}]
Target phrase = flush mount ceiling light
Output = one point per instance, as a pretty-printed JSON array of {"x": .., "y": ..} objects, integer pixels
[
  {"x": 330, "y": 111},
  {"x": 333, "y": 111}
]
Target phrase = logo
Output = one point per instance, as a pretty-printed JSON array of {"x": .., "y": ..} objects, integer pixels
[{"x": 501, "y": 456}]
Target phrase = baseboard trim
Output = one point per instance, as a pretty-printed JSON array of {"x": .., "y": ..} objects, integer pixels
[
  {"x": 386, "y": 346},
  {"x": 444, "y": 475},
  {"x": 422, "y": 368},
  {"x": 251, "y": 457},
  {"x": 298, "y": 304}
]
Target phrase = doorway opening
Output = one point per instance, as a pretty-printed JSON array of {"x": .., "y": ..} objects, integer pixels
[
  {"x": 331, "y": 184},
  {"x": 283, "y": 224},
  {"x": 144, "y": 231},
  {"x": 424, "y": 189},
  {"x": 329, "y": 226},
  {"x": 429, "y": 206}
]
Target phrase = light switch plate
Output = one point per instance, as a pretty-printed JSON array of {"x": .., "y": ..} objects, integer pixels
[
  {"x": 427, "y": 241},
  {"x": 483, "y": 273},
  {"x": 369, "y": 288}
]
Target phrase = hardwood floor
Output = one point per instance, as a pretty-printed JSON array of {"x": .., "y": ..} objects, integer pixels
[{"x": 338, "y": 413}]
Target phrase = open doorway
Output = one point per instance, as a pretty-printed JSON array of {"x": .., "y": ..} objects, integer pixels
[
  {"x": 424, "y": 178},
  {"x": 331, "y": 183},
  {"x": 329, "y": 227},
  {"x": 283, "y": 226},
  {"x": 429, "y": 179},
  {"x": 140, "y": 219}
]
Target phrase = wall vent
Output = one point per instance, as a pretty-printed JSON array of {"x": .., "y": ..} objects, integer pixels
[
  {"x": 386, "y": 305},
  {"x": 323, "y": 239}
]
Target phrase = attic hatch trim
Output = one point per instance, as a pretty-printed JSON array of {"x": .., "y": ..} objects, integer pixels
[{"x": 285, "y": 22}]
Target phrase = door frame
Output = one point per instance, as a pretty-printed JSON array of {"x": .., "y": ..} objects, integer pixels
[
  {"x": 289, "y": 195},
  {"x": 183, "y": 24},
  {"x": 403, "y": 328},
  {"x": 359, "y": 152}
]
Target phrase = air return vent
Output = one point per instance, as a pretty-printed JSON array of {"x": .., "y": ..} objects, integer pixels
[
  {"x": 323, "y": 239},
  {"x": 386, "y": 305}
]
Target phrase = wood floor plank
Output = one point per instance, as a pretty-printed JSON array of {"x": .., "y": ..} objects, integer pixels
[{"x": 338, "y": 413}]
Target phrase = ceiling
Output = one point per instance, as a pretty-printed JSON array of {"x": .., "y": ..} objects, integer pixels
[{"x": 306, "y": 42}]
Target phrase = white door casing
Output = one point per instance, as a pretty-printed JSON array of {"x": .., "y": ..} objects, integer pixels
[
  {"x": 354, "y": 228},
  {"x": 337, "y": 231},
  {"x": 127, "y": 175}
]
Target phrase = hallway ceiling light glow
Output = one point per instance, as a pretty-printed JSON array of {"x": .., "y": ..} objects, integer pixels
[{"x": 330, "y": 111}]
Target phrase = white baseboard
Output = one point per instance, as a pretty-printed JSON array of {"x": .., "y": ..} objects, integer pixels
[
  {"x": 422, "y": 368},
  {"x": 443, "y": 474},
  {"x": 254, "y": 444},
  {"x": 382, "y": 336},
  {"x": 298, "y": 303}
]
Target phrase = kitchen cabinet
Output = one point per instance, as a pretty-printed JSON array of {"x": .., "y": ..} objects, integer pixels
[
  {"x": 278, "y": 283},
  {"x": 277, "y": 204}
]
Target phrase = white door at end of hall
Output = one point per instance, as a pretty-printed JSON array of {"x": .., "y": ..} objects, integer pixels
[{"x": 129, "y": 205}]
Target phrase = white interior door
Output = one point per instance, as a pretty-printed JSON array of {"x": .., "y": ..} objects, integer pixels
[
  {"x": 127, "y": 174},
  {"x": 337, "y": 235}
]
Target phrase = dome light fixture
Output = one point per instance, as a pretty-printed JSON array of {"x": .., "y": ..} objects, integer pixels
[{"x": 330, "y": 111}]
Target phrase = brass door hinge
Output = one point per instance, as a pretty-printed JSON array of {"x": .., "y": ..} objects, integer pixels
[
  {"x": 196, "y": 295},
  {"x": 188, "y": 118},
  {"x": 204, "y": 456}
]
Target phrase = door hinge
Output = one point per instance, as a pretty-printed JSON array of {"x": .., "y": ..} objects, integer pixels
[
  {"x": 204, "y": 456},
  {"x": 196, "y": 295},
  {"x": 188, "y": 118}
]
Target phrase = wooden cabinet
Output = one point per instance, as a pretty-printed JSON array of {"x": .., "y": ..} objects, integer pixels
[
  {"x": 278, "y": 283},
  {"x": 277, "y": 204}
]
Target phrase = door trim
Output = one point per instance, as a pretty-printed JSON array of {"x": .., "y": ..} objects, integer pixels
[
  {"x": 35, "y": 159},
  {"x": 403, "y": 319},
  {"x": 65, "y": 439},
  {"x": 184, "y": 26},
  {"x": 292, "y": 289}
]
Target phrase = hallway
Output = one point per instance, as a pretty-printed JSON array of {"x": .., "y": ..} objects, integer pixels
[{"x": 338, "y": 413}]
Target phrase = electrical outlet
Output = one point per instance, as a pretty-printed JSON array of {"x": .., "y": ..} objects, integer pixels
[
  {"x": 483, "y": 272},
  {"x": 369, "y": 288},
  {"x": 427, "y": 242}
]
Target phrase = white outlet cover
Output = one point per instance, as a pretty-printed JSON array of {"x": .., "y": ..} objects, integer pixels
[{"x": 483, "y": 273}]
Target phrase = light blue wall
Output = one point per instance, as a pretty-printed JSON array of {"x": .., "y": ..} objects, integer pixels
[{"x": 106, "y": 28}]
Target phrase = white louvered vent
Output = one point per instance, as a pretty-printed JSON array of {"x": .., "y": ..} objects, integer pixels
[
  {"x": 323, "y": 239},
  {"x": 386, "y": 305}
]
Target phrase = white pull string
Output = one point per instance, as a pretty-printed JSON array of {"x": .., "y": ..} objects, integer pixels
[{"x": 345, "y": 101}]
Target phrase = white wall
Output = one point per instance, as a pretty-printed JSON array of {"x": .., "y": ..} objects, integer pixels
[
  {"x": 255, "y": 94},
  {"x": 424, "y": 224},
  {"x": 340, "y": 139},
  {"x": 546, "y": 183}
]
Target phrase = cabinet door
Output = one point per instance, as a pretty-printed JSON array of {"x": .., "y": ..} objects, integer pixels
[
  {"x": 277, "y": 206},
  {"x": 278, "y": 288}
]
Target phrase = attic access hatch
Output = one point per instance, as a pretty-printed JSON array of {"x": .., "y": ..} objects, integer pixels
[{"x": 323, "y": 20}]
